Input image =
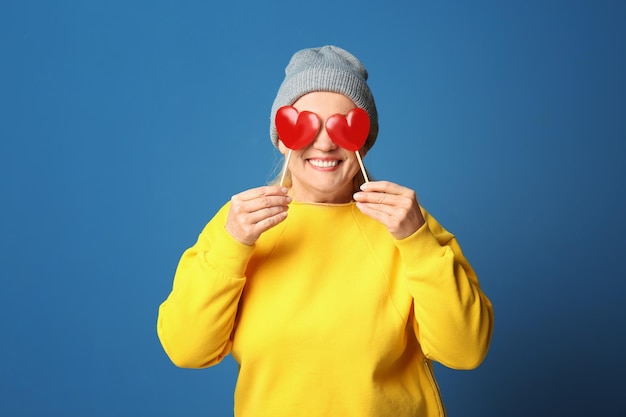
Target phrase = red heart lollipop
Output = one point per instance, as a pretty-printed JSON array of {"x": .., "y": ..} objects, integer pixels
[
  {"x": 350, "y": 131},
  {"x": 296, "y": 130}
]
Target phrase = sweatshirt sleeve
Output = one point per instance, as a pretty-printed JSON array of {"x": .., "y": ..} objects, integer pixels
[
  {"x": 196, "y": 321},
  {"x": 453, "y": 317}
]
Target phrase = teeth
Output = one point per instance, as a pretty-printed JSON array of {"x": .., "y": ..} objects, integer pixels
[{"x": 323, "y": 164}]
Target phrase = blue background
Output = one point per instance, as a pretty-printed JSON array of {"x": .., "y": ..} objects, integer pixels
[{"x": 125, "y": 125}]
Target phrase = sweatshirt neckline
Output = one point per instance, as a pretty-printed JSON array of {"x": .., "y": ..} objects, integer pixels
[{"x": 327, "y": 205}]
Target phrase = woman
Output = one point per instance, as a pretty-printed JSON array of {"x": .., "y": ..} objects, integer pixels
[{"x": 333, "y": 295}]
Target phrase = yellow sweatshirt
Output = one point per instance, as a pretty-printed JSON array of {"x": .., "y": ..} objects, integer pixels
[{"x": 327, "y": 314}]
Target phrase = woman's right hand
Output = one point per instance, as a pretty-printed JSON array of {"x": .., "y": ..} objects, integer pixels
[{"x": 254, "y": 211}]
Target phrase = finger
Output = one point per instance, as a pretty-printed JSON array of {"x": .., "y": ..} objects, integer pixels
[
  {"x": 242, "y": 207},
  {"x": 259, "y": 198},
  {"x": 247, "y": 227},
  {"x": 398, "y": 221},
  {"x": 254, "y": 193},
  {"x": 379, "y": 198},
  {"x": 258, "y": 216},
  {"x": 270, "y": 221},
  {"x": 384, "y": 187},
  {"x": 374, "y": 211},
  {"x": 389, "y": 213}
]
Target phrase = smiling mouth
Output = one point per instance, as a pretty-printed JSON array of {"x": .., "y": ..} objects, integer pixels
[{"x": 323, "y": 163}]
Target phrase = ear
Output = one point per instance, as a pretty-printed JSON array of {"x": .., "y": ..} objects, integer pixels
[{"x": 282, "y": 148}]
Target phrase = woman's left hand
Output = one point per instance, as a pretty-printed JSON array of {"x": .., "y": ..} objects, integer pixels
[{"x": 391, "y": 204}]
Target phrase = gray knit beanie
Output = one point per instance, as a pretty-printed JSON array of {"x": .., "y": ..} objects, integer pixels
[{"x": 328, "y": 68}]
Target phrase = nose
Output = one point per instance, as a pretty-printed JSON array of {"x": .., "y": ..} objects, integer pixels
[{"x": 322, "y": 141}]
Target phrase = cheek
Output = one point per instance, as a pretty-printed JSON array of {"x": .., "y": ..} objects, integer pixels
[
  {"x": 351, "y": 158},
  {"x": 296, "y": 159},
  {"x": 352, "y": 164}
]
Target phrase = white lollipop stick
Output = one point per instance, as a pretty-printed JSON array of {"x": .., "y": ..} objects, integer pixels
[
  {"x": 282, "y": 177},
  {"x": 358, "y": 156}
]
